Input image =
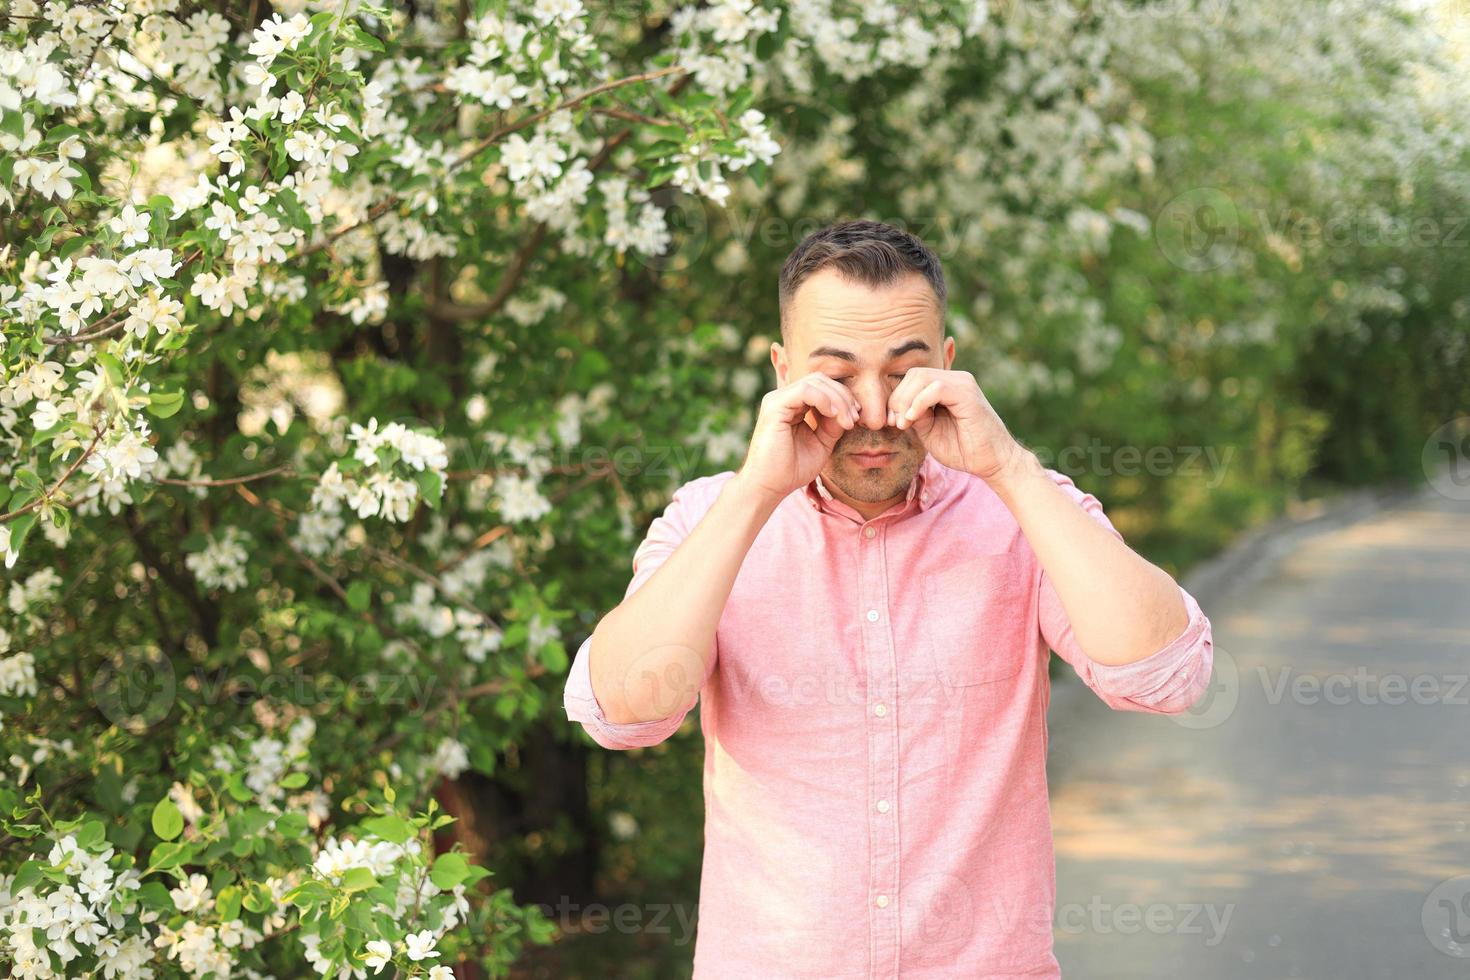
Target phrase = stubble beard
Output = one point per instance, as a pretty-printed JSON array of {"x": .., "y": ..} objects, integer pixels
[{"x": 873, "y": 484}]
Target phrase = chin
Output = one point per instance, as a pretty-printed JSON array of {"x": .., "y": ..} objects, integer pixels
[{"x": 873, "y": 485}]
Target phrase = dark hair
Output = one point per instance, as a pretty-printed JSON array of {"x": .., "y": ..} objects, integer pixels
[{"x": 870, "y": 252}]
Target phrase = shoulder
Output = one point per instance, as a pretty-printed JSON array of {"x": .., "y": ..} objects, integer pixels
[
  {"x": 1065, "y": 482},
  {"x": 698, "y": 495},
  {"x": 702, "y": 487},
  {"x": 965, "y": 482}
]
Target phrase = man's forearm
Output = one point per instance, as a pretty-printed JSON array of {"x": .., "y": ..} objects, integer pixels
[
  {"x": 650, "y": 653},
  {"x": 1122, "y": 608}
]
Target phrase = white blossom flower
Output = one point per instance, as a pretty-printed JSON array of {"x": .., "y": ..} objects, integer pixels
[
  {"x": 378, "y": 954},
  {"x": 421, "y": 945},
  {"x": 221, "y": 565},
  {"x": 193, "y": 894},
  {"x": 132, "y": 226},
  {"x": 520, "y": 500}
]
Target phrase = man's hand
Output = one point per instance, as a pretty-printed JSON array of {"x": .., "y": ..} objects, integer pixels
[
  {"x": 952, "y": 418},
  {"x": 785, "y": 452}
]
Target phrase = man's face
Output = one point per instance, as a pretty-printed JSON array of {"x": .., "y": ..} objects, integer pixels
[{"x": 866, "y": 339}]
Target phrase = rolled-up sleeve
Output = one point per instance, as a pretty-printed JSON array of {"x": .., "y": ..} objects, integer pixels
[
  {"x": 581, "y": 706},
  {"x": 687, "y": 506},
  {"x": 1168, "y": 681}
]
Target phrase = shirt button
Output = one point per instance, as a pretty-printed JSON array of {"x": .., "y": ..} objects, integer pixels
[
  {"x": 872, "y": 615},
  {"x": 883, "y": 901},
  {"x": 882, "y": 806},
  {"x": 869, "y": 531},
  {"x": 880, "y": 710}
]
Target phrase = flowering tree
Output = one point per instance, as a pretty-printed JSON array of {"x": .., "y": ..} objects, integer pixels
[
  {"x": 282, "y": 417},
  {"x": 346, "y": 347}
]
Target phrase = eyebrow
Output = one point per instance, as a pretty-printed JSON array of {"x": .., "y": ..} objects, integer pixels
[{"x": 898, "y": 351}]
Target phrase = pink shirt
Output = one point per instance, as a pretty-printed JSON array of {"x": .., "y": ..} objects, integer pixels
[{"x": 875, "y": 734}]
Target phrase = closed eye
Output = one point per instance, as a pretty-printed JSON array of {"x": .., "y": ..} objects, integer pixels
[{"x": 844, "y": 380}]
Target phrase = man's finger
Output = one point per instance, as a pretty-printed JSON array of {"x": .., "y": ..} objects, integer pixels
[
  {"x": 934, "y": 393},
  {"x": 904, "y": 393},
  {"x": 809, "y": 394}
]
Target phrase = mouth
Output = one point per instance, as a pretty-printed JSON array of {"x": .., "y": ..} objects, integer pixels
[{"x": 874, "y": 457}]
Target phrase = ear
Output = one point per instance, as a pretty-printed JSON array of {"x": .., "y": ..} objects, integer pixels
[
  {"x": 948, "y": 352},
  {"x": 780, "y": 363}
]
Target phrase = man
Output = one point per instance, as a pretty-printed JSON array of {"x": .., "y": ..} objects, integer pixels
[{"x": 866, "y": 608}]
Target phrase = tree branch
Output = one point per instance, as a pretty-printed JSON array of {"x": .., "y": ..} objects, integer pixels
[
  {"x": 388, "y": 203},
  {"x": 47, "y": 495}
]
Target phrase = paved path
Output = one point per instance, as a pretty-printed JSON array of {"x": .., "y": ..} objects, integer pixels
[{"x": 1300, "y": 823}]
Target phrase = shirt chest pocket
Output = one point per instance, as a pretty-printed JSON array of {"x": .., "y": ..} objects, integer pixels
[{"x": 978, "y": 618}]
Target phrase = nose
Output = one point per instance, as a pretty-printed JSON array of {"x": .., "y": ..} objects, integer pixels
[{"x": 872, "y": 395}]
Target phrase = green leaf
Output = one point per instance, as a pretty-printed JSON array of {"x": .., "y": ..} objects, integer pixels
[
  {"x": 20, "y": 527},
  {"x": 506, "y": 705},
  {"x": 168, "y": 822},
  {"x": 360, "y": 38},
  {"x": 661, "y": 175},
  {"x": 28, "y": 875},
  {"x": 307, "y": 894},
  {"x": 295, "y": 780},
  {"x": 294, "y": 211},
  {"x": 258, "y": 899},
  {"x": 359, "y": 596},
  {"x": 14, "y": 124},
  {"x": 72, "y": 246},
  {"x": 390, "y": 827},
  {"x": 290, "y": 825},
  {"x": 162, "y": 404},
  {"x": 431, "y": 487},
  {"x": 112, "y": 366},
  {"x": 235, "y": 786},
  {"x": 665, "y": 100},
  {"x": 91, "y": 836},
  {"x": 554, "y": 656},
  {"x": 743, "y": 98},
  {"x": 153, "y": 895},
  {"x": 228, "y": 902},
  {"x": 661, "y": 149},
  {"x": 449, "y": 870},
  {"x": 358, "y": 880},
  {"x": 167, "y": 855},
  {"x": 58, "y": 133}
]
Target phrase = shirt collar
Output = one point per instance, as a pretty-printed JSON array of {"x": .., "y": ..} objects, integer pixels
[{"x": 928, "y": 485}]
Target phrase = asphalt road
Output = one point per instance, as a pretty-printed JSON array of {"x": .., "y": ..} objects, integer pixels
[{"x": 1311, "y": 818}]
